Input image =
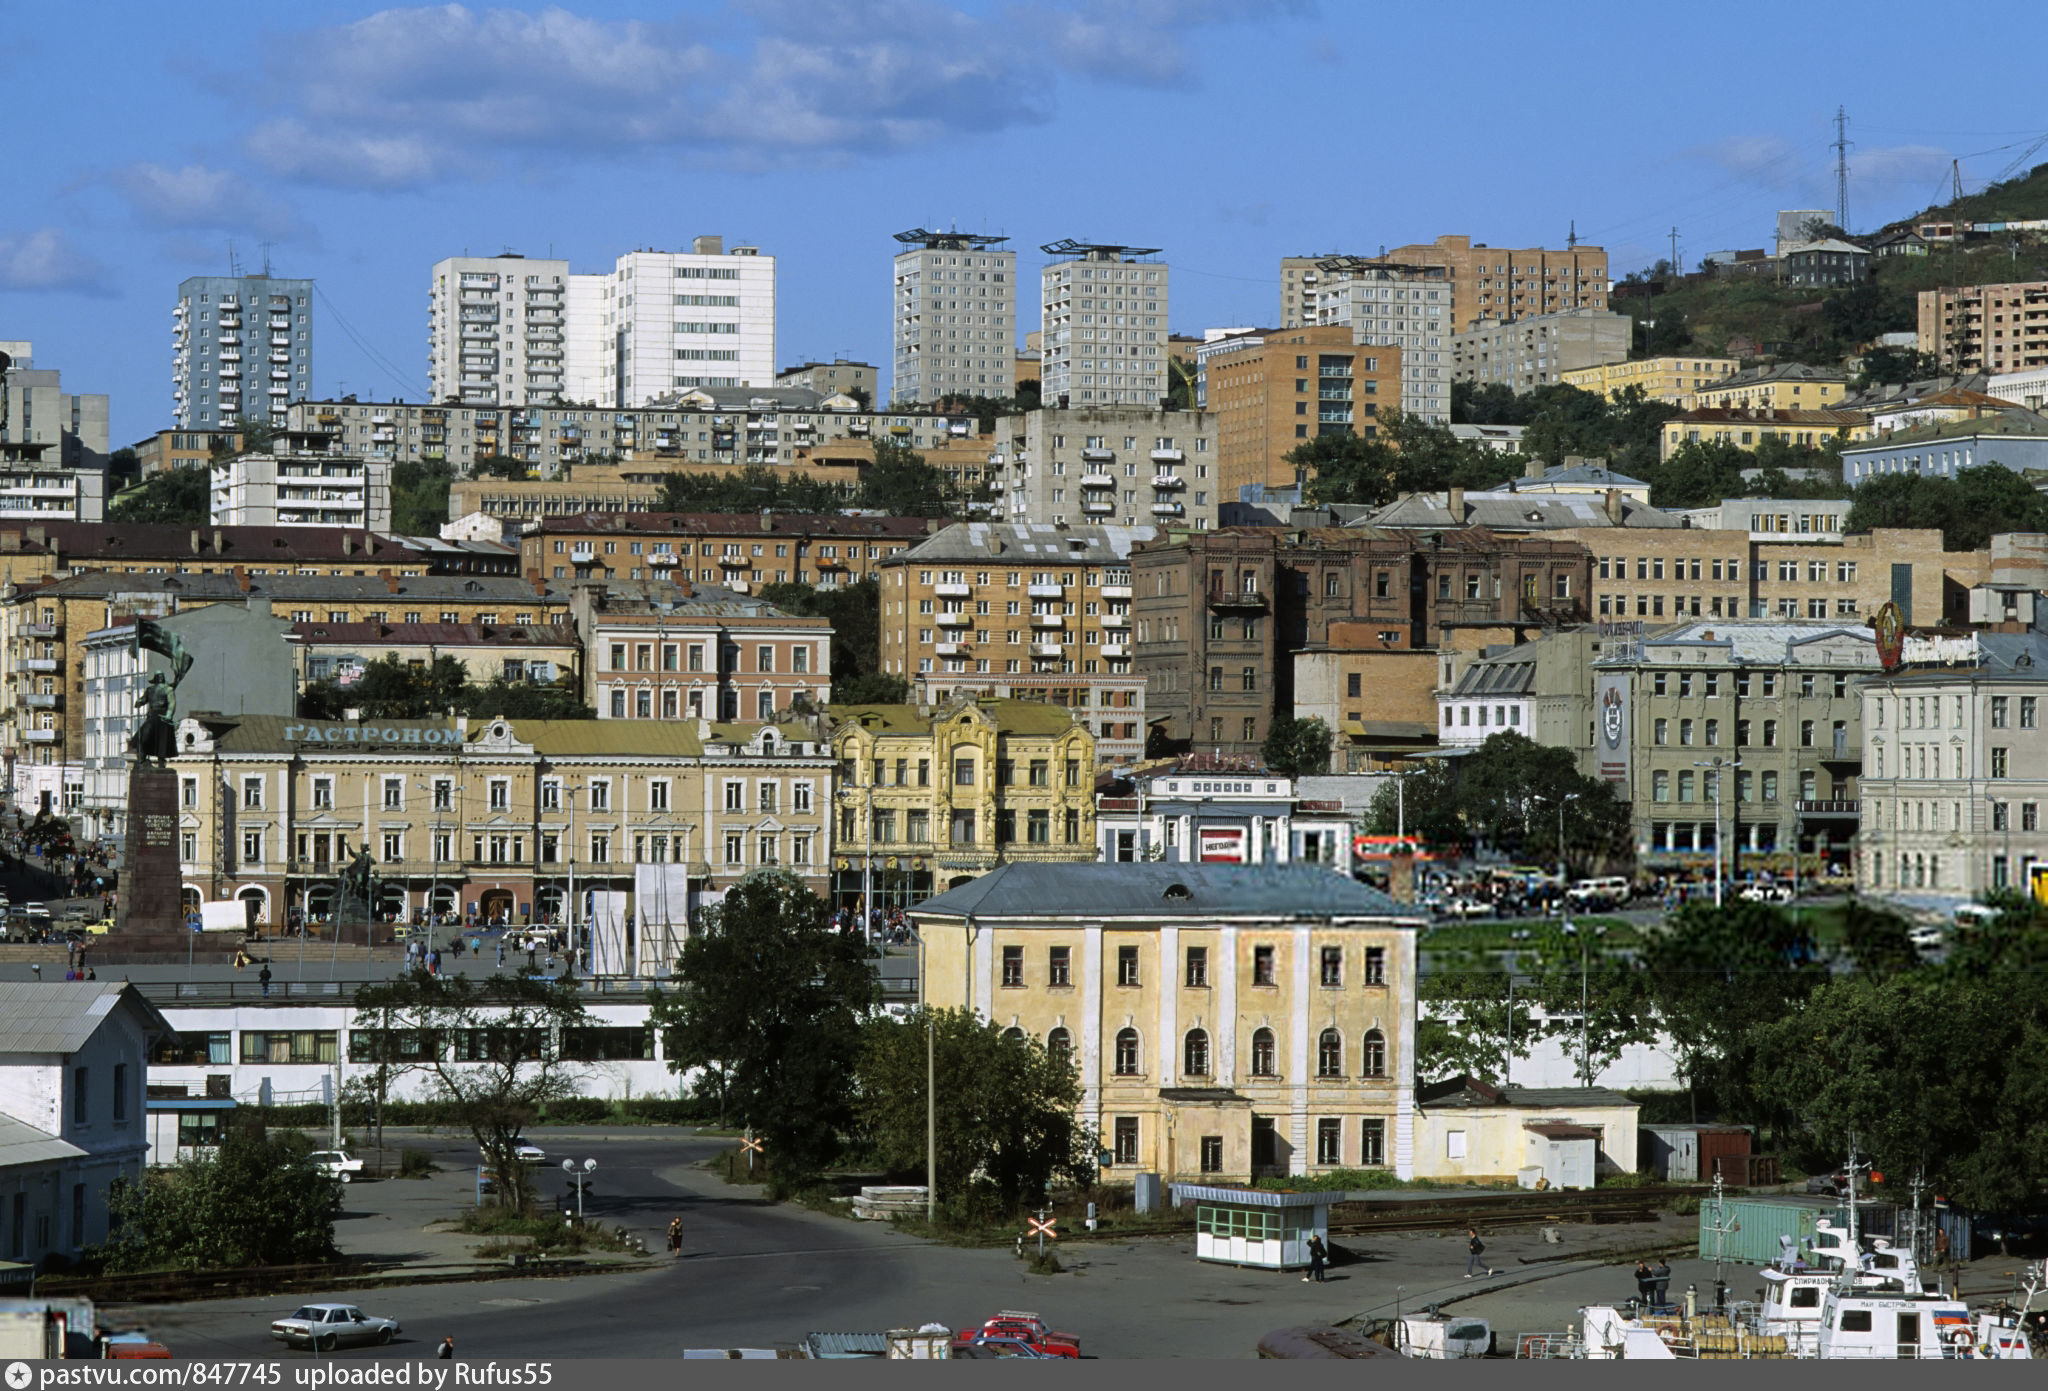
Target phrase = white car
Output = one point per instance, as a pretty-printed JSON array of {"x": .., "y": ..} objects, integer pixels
[
  {"x": 1926, "y": 937},
  {"x": 335, "y": 1163},
  {"x": 1468, "y": 908},
  {"x": 325, "y": 1327},
  {"x": 526, "y": 1150}
]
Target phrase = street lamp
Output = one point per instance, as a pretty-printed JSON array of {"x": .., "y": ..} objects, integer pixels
[
  {"x": 1571, "y": 929},
  {"x": 580, "y": 1180},
  {"x": 1714, "y": 766}
]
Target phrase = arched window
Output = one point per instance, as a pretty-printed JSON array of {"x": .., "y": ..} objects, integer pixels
[
  {"x": 1330, "y": 1054},
  {"x": 1194, "y": 1060},
  {"x": 1375, "y": 1053},
  {"x": 1013, "y": 1034},
  {"x": 1127, "y": 1053},
  {"x": 1262, "y": 1054},
  {"x": 1060, "y": 1044}
]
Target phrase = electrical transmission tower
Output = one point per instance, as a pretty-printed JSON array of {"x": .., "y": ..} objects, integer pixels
[{"x": 1841, "y": 149}]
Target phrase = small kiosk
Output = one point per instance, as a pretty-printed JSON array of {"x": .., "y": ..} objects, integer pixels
[{"x": 1255, "y": 1226}]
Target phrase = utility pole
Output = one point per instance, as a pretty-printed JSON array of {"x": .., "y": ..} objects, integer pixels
[
  {"x": 1841, "y": 149},
  {"x": 1675, "y": 268},
  {"x": 1955, "y": 171},
  {"x": 1572, "y": 238}
]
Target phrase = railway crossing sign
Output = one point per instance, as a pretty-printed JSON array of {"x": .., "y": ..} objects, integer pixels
[
  {"x": 1042, "y": 1226},
  {"x": 750, "y": 1147}
]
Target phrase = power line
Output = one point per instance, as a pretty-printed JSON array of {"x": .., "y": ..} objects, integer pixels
[
  {"x": 407, "y": 386},
  {"x": 1841, "y": 149}
]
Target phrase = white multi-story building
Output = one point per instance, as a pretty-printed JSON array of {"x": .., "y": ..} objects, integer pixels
[
  {"x": 1407, "y": 307},
  {"x": 312, "y": 488},
  {"x": 589, "y": 347},
  {"x": 676, "y": 320},
  {"x": 496, "y": 332},
  {"x": 955, "y": 317},
  {"x": 241, "y": 347},
  {"x": 1109, "y": 466},
  {"x": 1103, "y": 325}
]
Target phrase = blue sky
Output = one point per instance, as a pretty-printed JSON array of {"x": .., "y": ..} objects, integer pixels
[{"x": 364, "y": 144}]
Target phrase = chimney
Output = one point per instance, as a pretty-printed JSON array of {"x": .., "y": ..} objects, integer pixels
[
  {"x": 195, "y": 540},
  {"x": 1535, "y": 470},
  {"x": 241, "y": 579},
  {"x": 217, "y": 541},
  {"x": 540, "y": 586},
  {"x": 1456, "y": 502},
  {"x": 390, "y": 581},
  {"x": 767, "y": 520},
  {"x": 1614, "y": 505},
  {"x": 348, "y": 544},
  {"x": 707, "y": 246}
]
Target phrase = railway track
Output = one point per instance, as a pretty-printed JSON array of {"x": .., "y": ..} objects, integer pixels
[{"x": 1636, "y": 1205}]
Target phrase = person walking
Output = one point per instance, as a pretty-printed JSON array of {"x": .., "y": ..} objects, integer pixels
[
  {"x": 675, "y": 1236},
  {"x": 1476, "y": 1262},
  {"x": 447, "y": 1352},
  {"x": 264, "y": 976},
  {"x": 1660, "y": 1288},
  {"x": 1318, "y": 1257}
]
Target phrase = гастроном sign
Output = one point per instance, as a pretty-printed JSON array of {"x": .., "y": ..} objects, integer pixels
[{"x": 437, "y": 735}]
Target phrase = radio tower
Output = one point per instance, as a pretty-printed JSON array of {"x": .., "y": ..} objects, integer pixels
[{"x": 1841, "y": 149}]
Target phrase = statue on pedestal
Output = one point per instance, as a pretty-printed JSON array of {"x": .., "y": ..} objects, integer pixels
[{"x": 156, "y": 736}]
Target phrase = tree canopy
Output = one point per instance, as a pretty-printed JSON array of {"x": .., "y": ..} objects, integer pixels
[
  {"x": 183, "y": 496},
  {"x": 254, "y": 1201},
  {"x": 1967, "y": 509},
  {"x": 392, "y": 688},
  {"x": 770, "y": 1006},
  {"x": 1506, "y": 794},
  {"x": 419, "y": 497},
  {"x": 1295, "y": 747},
  {"x": 856, "y": 614}
]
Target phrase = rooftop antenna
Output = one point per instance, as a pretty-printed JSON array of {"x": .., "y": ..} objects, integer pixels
[
  {"x": 1572, "y": 238},
  {"x": 266, "y": 260},
  {"x": 234, "y": 263},
  {"x": 1841, "y": 149}
]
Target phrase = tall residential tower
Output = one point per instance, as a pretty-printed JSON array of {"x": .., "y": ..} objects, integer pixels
[
  {"x": 674, "y": 320},
  {"x": 241, "y": 346},
  {"x": 1103, "y": 325},
  {"x": 955, "y": 317},
  {"x": 496, "y": 334}
]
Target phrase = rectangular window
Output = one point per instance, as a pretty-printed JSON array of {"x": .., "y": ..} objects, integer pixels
[
  {"x": 1198, "y": 968},
  {"x": 1375, "y": 965},
  {"x": 1059, "y": 965},
  {"x": 1127, "y": 966},
  {"x": 1372, "y": 1142},
  {"x": 1126, "y": 1145},
  {"x": 1329, "y": 1140},
  {"x": 1212, "y": 1154},
  {"x": 963, "y": 772},
  {"x": 1262, "y": 966},
  {"x": 1013, "y": 967},
  {"x": 80, "y": 1076},
  {"x": 1333, "y": 966}
]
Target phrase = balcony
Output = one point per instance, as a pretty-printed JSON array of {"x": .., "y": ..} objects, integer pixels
[
  {"x": 41, "y": 700},
  {"x": 1116, "y": 649},
  {"x": 1168, "y": 481},
  {"x": 1116, "y": 591},
  {"x": 41, "y": 630},
  {"x": 952, "y": 590},
  {"x": 1116, "y": 620},
  {"x": 1046, "y": 591},
  {"x": 40, "y": 736},
  {"x": 734, "y": 562},
  {"x": 1098, "y": 506},
  {"x": 950, "y": 649},
  {"x": 1048, "y": 620},
  {"x": 42, "y": 664},
  {"x": 1834, "y": 808},
  {"x": 1236, "y": 599},
  {"x": 1168, "y": 509},
  {"x": 1098, "y": 480},
  {"x": 995, "y": 485},
  {"x": 1098, "y": 456},
  {"x": 1046, "y": 649},
  {"x": 955, "y": 620}
]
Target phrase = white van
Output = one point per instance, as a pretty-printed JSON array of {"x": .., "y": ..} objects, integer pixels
[
  {"x": 1973, "y": 915},
  {"x": 1598, "y": 894}
]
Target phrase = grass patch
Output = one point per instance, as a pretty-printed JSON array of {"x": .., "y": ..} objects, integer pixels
[
  {"x": 414, "y": 1163},
  {"x": 508, "y": 1234},
  {"x": 1500, "y": 935},
  {"x": 1342, "y": 1180},
  {"x": 1047, "y": 1264}
]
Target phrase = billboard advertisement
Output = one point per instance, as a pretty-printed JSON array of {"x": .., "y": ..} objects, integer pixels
[
  {"x": 1222, "y": 845},
  {"x": 1611, "y": 731}
]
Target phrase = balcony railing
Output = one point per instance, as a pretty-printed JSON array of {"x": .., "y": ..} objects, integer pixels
[
  {"x": 1830, "y": 808},
  {"x": 1046, "y": 591},
  {"x": 948, "y": 590},
  {"x": 1236, "y": 599}
]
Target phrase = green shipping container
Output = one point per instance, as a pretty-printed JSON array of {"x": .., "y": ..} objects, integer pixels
[{"x": 1752, "y": 1226}]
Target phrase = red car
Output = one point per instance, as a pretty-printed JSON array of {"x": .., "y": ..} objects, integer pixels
[{"x": 1029, "y": 1328}]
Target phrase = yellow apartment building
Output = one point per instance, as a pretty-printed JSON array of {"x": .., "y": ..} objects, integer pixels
[
  {"x": 1285, "y": 389},
  {"x": 1672, "y": 379},
  {"x": 1746, "y": 427},
  {"x": 736, "y": 550},
  {"x": 1496, "y": 282},
  {"x": 929, "y": 798},
  {"x": 1779, "y": 386},
  {"x": 1229, "y": 1022}
]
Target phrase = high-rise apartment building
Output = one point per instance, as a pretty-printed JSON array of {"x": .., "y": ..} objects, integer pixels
[
  {"x": 1277, "y": 391},
  {"x": 1301, "y": 288},
  {"x": 1106, "y": 466},
  {"x": 1395, "y": 306},
  {"x": 680, "y": 319},
  {"x": 241, "y": 346},
  {"x": 1491, "y": 282},
  {"x": 496, "y": 330},
  {"x": 955, "y": 302},
  {"x": 1537, "y": 350},
  {"x": 589, "y": 346},
  {"x": 47, "y": 424},
  {"x": 1103, "y": 325},
  {"x": 1986, "y": 328}
]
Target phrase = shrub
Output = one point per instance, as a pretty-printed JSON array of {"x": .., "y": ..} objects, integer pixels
[
  {"x": 576, "y": 1110},
  {"x": 414, "y": 1163}
]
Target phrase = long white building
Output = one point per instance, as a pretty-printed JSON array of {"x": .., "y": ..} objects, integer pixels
[
  {"x": 675, "y": 320},
  {"x": 955, "y": 322},
  {"x": 1103, "y": 325}
]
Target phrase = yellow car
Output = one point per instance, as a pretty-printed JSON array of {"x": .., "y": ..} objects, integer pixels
[{"x": 100, "y": 928}]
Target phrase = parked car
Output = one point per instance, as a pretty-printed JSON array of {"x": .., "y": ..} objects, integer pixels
[
  {"x": 77, "y": 912},
  {"x": 1926, "y": 936},
  {"x": 1468, "y": 908},
  {"x": 335, "y": 1163},
  {"x": 1835, "y": 1183},
  {"x": 100, "y": 928},
  {"x": 1767, "y": 893},
  {"x": 325, "y": 1327},
  {"x": 1016, "y": 1323},
  {"x": 38, "y": 913},
  {"x": 1598, "y": 895},
  {"x": 527, "y": 1150},
  {"x": 988, "y": 1345}
]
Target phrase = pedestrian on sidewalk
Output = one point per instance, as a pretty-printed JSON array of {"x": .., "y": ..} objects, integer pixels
[
  {"x": 1660, "y": 1277},
  {"x": 1476, "y": 1264},
  {"x": 264, "y": 976},
  {"x": 1318, "y": 1256},
  {"x": 675, "y": 1236},
  {"x": 447, "y": 1352},
  {"x": 1646, "y": 1284}
]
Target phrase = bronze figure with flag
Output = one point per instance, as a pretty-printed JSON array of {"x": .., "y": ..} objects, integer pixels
[{"x": 156, "y": 736}]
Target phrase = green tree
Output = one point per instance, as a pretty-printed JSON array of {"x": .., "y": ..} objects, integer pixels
[
  {"x": 1875, "y": 939},
  {"x": 754, "y": 488},
  {"x": 1181, "y": 373},
  {"x": 1464, "y": 1017},
  {"x": 495, "y": 1058},
  {"x": 182, "y": 496},
  {"x": 124, "y": 467},
  {"x": 1967, "y": 509},
  {"x": 390, "y": 688},
  {"x": 525, "y": 700},
  {"x": 1715, "y": 974},
  {"x": 255, "y": 1201},
  {"x": 1296, "y": 747},
  {"x": 419, "y": 497},
  {"x": 1489, "y": 403},
  {"x": 1700, "y": 473},
  {"x": 902, "y": 484},
  {"x": 1568, "y": 965},
  {"x": 1008, "y": 1124},
  {"x": 770, "y": 1005},
  {"x": 856, "y": 614},
  {"x": 870, "y": 688},
  {"x": 1883, "y": 366},
  {"x": 500, "y": 466},
  {"x": 1506, "y": 794},
  {"x": 1345, "y": 468}
]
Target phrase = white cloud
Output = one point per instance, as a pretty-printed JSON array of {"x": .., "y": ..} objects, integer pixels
[
  {"x": 46, "y": 260},
  {"x": 1767, "y": 160},
  {"x": 406, "y": 96},
  {"x": 200, "y": 197}
]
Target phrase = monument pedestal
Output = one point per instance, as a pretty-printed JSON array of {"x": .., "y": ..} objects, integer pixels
[{"x": 150, "y": 924}]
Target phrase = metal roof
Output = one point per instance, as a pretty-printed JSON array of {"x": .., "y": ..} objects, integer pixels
[
  {"x": 1261, "y": 1197},
  {"x": 728, "y": 524},
  {"x": 438, "y": 634},
  {"x": 1747, "y": 641},
  {"x": 1161, "y": 890},
  {"x": 477, "y": 588},
  {"x": 1518, "y": 511},
  {"x": 59, "y": 1016},
  {"x": 1010, "y": 543},
  {"x": 1009, "y": 716},
  {"x": 22, "y": 1143}
]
